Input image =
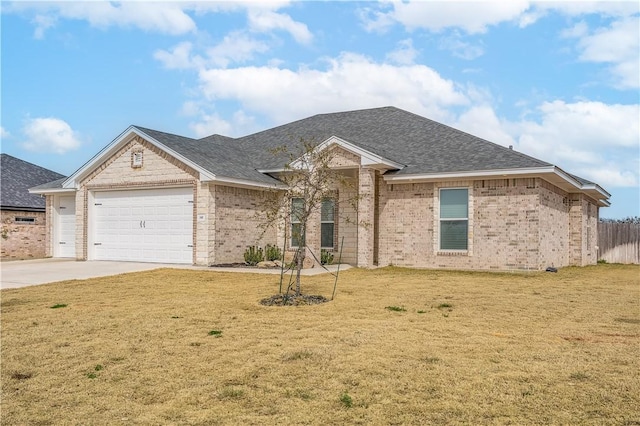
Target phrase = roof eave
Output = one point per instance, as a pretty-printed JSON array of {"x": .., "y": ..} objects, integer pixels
[
  {"x": 470, "y": 174},
  {"x": 552, "y": 174},
  {"x": 245, "y": 183},
  {"x": 47, "y": 191}
]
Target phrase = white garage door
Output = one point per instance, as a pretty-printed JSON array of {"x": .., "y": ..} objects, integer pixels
[
  {"x": 151, "y": 225},
  {"x": 65, "y": 241}
]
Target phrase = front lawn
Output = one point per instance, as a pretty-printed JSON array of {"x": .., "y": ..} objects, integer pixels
[{"x": 396, "y": 346}]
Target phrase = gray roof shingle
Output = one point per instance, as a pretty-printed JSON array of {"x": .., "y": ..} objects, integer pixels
[
  {"x": 17, "y": 177},
  {"x": 423, "y": 145},
  {"x": 217, "y": 154}
]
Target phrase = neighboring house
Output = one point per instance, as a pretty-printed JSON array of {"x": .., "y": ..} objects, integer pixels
[
  {"x": 433, "y": 197},
  {"x": 23, "y": 232}
]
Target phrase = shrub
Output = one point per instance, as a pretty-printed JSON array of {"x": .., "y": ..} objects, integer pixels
[
  {"x": 272, "y": 253},
  {"x": 253, "y": 255},
  {"x": 326, "y": 257}
]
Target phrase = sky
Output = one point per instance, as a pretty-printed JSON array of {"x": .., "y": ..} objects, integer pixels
[{"x": 559, "y": 81}]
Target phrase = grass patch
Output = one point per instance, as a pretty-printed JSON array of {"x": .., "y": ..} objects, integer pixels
[
  {"x": 346, "y": 400},
  {"x": 566, "y": 355},
  {"x": 216, "y": 333},
  {"x": 395, "y": 308},
  {"x": 230, "y": 392},
  {"x": 444, "y": 306},
  {"x": 58, "y": 305}
]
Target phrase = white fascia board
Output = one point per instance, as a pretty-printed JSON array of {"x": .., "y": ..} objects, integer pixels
[
  {"x": 597, "y": 188},
  {"x": 52, "y": 191},
  {"x": 244, "y": 183},
  {"x": 117, "y": 143},
  {"x": 430, "y": 177}
]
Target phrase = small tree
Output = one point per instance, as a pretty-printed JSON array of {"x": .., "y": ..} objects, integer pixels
[{"x": 309, "y": 178}]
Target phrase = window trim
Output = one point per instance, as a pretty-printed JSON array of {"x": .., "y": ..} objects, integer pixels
[
  {"x": 292, "y": 222},
  {"x": 333, "y": 222},
  {"x": 440, "y": 219}
]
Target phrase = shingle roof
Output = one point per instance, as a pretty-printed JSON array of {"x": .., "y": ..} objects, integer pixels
[
  {"x": 17, "y": 177},
  {"x": 423, "y": 145},
  {"x": 217, "y": 154}
]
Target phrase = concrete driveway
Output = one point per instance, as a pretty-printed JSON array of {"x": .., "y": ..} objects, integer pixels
[{"x": 22, "y": 273}]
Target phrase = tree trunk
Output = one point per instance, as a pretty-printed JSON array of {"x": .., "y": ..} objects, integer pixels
[{"x": 300, "y": 261}]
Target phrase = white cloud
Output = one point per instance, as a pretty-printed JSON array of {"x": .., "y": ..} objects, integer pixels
[
  {"x": 405, "y": 54},
  {"x": 618, "y": 45},
  {"x": 482, "y": 121},
  {"x": 179, "y": 57},
  {"x": 161, "y": 17},
  {"x": 474, "y": 17},
  {"x": 262, "y": 20},
  {"x": 597, "y": 141},
  {"x": 461, "y": 49},
  {"x": 578, "y": 8},
  {"x": 350, "y": 81},
  {"x": 471, "y": 17},
  {"x": 209, "y": 122},
  {"x": 236, "y": 47},
  {"x": 3, "y": 133},
  {"x": 50, "y": 135}
]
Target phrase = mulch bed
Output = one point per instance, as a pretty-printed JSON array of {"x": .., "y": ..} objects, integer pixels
[{"x": 293, "y": 300}]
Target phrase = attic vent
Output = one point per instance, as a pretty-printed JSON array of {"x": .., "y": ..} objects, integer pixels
[
  {"x": 21, "y": 219},
  {"x": 136, "y": 159}
]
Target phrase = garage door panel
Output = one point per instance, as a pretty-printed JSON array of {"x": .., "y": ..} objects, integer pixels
[
  {"x": 66, "y": 227},
  {"x": 144, "y": 225}
]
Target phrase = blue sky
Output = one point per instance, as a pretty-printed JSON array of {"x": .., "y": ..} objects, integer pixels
[{"x": 557, "y": 80}]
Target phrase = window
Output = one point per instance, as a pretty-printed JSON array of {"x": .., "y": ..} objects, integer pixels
[
  {"x": 454, "y": 219},
  {"x": 19, "y": 219},
  {"x": 297, "y": 210},
  {"x": 327, "y": 212}
]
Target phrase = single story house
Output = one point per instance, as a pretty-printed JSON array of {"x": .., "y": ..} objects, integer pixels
[
  {"x": 433, "y": 197},
  {"x": 23, "y": 230}
]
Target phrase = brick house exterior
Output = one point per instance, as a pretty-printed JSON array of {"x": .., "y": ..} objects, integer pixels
[
  {"x": 431, "y": 196},
  {"x": 23, "y": 232}
]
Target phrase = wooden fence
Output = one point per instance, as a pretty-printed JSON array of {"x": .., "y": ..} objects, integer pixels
[{"x": 619, "y": 242}]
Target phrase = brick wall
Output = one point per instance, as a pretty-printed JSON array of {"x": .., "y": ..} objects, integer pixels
[
  {"x": 554, "y": 229},
  {"x": 236, "y": 224},
  {"x": 405, "y": 224},
  {"x": 20, "y": 240},
  {"x": 516, "y": 224}
]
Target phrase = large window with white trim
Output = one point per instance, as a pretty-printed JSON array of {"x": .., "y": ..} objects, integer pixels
[
  {"x": 454, "y": 218},
  {"x": 297, "y": 210},
  {"x": 327, "y": 214}
]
